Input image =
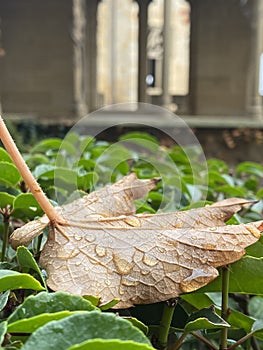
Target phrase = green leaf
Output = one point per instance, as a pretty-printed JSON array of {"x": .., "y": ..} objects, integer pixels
[
  {"x": 6, "y": 199},
  {"x": 255, "y": 307},
  {"x": 4, "y": 299},
  {"x": 4, "y": 156},
  {"x": 87, "y": 181},
  {"x": 9, "y": 175},
  {"x": 42, "y": 169},
  {"x": 257, "y": 329},
  {"x": 136, "y": 323},
  {"x": 250, "y": 168},
  {"x": 256, "y": 249},
  {"x": 109, "y": 305},
  {"x": 25, "y": 205},
  {"x": 49, "y": 303},
  {"x": 246, "y": 277},
  {"x": 30, "y": 325},
  {"x": 205, "y": 319},
  {"x": 88, "y": 164},
  {"x": 99, "y": 344},
  {"x": 36, "y": 159},
  {"x": 142, "y": 139},
  {"x": 10, "y": 280},
  {"x": 232, "y": 191},
  {"x": 92, "y": 299},
  {"x": 3, "y": 330},
  {"x": 235, "y": 319},
  {"x": 78, "y": 328},
  {"x": 53, "y": 144},
  {"x": 26, "y": 259},
  {"x": 217, "y": 165}
]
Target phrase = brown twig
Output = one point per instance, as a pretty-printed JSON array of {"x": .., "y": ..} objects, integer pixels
[{"x": 29, "y": 179}]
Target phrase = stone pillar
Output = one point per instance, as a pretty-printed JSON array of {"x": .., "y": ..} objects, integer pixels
[
  {"x": 166, "y": 97},
  {"x": 254, "y": 100},
  {"x": 142, "y": 52},
  {"x": 91, "y": 54},
  {"x": 79, "y": 57}
]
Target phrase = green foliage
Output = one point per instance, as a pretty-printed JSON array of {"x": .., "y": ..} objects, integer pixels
[{"x": 68, "y": 169}]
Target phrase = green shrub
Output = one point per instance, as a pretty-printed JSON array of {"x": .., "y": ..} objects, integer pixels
[{"x": 70, "y": 168}]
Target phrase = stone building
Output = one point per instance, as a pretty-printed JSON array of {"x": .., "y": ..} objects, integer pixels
[{"x": 60, "y": 60}]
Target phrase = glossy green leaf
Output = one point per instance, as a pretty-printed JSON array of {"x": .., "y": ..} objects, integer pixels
[
  {"x": 10, "y": 280},
  {"x": 217, "y": 165},
  {"x": 42, "y": 169},
  {"x": 25, "y": 205},
  {"x": 255, "y": 307},
  {"x": 4, "y": 299},
  {"x": 257, "y": 329},
  {"x": 4, "y": 156},
  {"x": 30, "y": 325},
  {"x": 250, "y": 168},
  {"x": 3, "y": 330},
  {"x": 256, "y": 249},
  {"x": 87, "y": 181},
  {"x": 54, "y": 144},
  {"x": 86, "y": 143},
  {"x": 246, "y": 269},
  {"x": 236, "y": 318},
  {"x": 205, "y": 319},
  {"x": 9, "y": 175},
  {"x": 36, "y": 159},
  {"x": 232, "y": 191},
  {"x": 26, "y": 259},
  {"x": 65, "y": 174},
  {"x": 92, "y": 299},
  {"x": 79, "y": 328},
  {"x": 88, "y": 164},
  {"x": 109, "y": 305},
  {"x": 136, "y": 323},
  {"x": 99, "y": 344},
  {"x": 44, "y": 302},
  {"x": 142, "y": 139},
  {"x": 6, "y": 199}
]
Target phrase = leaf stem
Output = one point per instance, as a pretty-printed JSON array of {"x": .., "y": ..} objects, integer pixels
[
  {"x": 241, "y": 340},
  {"x": 166, "y": 321},
  {"x": 224, "y": 306},
  {"x": 179, "y": 342},
  {"x": 204, "y": 340},
  {"x": 5, "y": 239},
  {"x": 29, "y": 179}
]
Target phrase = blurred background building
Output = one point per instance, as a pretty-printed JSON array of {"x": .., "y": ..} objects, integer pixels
[{"x": 63, "y": 59}]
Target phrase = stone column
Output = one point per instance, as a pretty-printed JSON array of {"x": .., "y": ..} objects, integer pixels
[
  {"x": 91, "y": 54},
  {"x": 142, "y": 52},
  {"x": 79, "y": 57},
  {"x": 254, "y": 100}
]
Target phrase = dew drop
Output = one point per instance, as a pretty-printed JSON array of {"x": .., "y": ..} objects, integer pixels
[
  {"x": 145, "y": 272},
  {"x": 90, "y": 237},
  {"x": 123, "y": 266},
  {"x": 213, "y": 229},
  {"x": 77, "y": 237},
  {"x": 129, "y": 282},
  {"x": 161, "y": 250},
  {"x": 121, "y": 290},
  {"x": 132, "y": 221},
  {"x": 100, "y": 251},
  {"x": 149, "y": 260}
]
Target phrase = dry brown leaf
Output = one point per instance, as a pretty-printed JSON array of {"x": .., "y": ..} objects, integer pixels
[{"x": 108, "y": 251}]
